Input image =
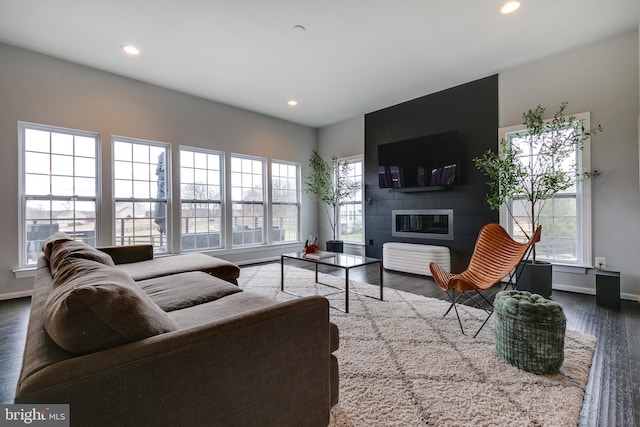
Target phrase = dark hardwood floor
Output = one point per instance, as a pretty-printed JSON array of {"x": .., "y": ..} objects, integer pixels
[
  {"x": 612, "y": 393},
  {"x": 14, "y": 315}
]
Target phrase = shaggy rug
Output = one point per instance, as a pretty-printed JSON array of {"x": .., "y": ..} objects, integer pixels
[{"x": 403, "y": 364}]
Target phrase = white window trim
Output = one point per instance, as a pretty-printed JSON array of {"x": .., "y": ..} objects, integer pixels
[
  {"x": 298, "y": 202},
  {"x": 360, "y": 158},
  {"x": 223, "y": 193},
  {"x": 583, "y": 194},
  {"x": 168, "y": 187},
  {"x": 266, "y": 213},
  {"x": 22, "y": 126}
]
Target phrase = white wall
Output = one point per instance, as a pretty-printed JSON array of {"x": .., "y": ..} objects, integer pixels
[
  {"x": 41, "y": 89},
  {"x": 601, "y": 78},
  {"x": 344, "y": 139}
]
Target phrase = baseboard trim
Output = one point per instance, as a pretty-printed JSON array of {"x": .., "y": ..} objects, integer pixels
[
  {"x": 591, "y": 291},
  {"x": 630, "y": 297},
  {"x": 574, "y": 289},
  {"x": 16, "y": 294}
]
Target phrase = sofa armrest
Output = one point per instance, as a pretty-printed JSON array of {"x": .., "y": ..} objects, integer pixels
[
  {"x": 269, "y": 366},
  {"x": 128, "y": 254}
]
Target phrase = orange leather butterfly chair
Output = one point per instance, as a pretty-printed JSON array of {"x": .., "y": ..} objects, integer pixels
[{"x": 495, "y": 256}]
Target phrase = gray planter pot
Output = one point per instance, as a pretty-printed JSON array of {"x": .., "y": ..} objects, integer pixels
[
  {"x": 335, "y": 246},
  {"x": 536, "y": 278}
]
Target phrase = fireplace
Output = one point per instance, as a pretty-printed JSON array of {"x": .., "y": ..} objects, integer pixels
[{"x": 423, "y": 223}]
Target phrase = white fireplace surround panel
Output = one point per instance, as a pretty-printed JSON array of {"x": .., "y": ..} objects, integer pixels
[{"x": 414, "y": 258}]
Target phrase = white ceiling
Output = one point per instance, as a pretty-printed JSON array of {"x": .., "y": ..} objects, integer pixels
[{"x": 356, "y": 56}]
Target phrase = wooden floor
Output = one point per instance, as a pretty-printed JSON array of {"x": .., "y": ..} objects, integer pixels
[
  {"x": 14, "y": 315},
  {"x": 612, "y": 394}
]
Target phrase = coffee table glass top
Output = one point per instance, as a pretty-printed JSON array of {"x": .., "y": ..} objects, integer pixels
[{"x": 334, "y": 258}]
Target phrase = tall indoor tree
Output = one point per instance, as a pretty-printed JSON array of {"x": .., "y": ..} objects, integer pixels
[
  {"x": 528, "y": 170},
  {"x": 329, "y": 183},
  {"x": 545, "y": 166}
]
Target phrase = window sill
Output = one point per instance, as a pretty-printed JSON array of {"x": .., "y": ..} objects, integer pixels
[
  {"x": 25, "y": 273},
  {"x": 572, "y": 269},
  {"x": 568, "y": 268}
]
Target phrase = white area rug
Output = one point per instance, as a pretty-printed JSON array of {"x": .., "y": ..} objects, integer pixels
[{"x": 402, "y": 364}]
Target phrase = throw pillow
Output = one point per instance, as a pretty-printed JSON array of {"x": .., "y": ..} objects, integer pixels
[
  {"x": 64, "y": 249},
  {"x": 100, "y": 307},
  {"x": 47, "y": 245}
]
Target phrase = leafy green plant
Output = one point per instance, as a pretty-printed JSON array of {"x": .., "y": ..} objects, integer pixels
[
  {"x": 329, "y": 183},
  {"x": 534, "y": 179}
]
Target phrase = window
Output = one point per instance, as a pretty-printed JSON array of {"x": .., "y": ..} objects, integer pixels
[
  {"x": 351, "y": 212},
  {"x": 58, "y": 186},
  {"x": 140, "y": 187},
  {"x": 566, "y": 217},
  {"x": 201, "y": 198},
  {"x": 285, "y": 201},
  {"x": 247, "y": 200}
]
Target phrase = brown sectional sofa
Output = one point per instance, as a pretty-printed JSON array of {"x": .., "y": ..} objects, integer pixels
[{"x": 163, "y": 341}]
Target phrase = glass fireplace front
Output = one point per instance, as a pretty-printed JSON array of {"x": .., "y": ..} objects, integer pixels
[{"x": 423, "y": 223}]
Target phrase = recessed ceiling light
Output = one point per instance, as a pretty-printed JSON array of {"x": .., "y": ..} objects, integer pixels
[
  {"x": 510, "y": 7},
  {"x": 292, "y": 103},
  {"x": 298, "y": 28},
  {"x": 130, "y": 49}
]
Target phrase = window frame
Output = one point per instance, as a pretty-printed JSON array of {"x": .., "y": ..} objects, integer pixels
[
  {"x": 118, "y": 186},
  {"x": 168, "y": 244},
  {"x": 351, "y": 160},
  {"x": 264, "y": 202},
  {"x": 24, "y": 197},
  {"x": 582, "y": 194},
  {"x": 220, "y": 201},
  {"x": 296, "y": 203}
]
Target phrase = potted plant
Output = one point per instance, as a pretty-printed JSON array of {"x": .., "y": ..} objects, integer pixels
[
  {"x": 329, "y": 183},
  {"x": 532, "y": 180}
]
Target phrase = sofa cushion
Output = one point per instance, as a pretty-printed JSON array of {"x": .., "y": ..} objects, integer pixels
[
  {"x": 175, "y": 264},
  {"x": 101, "y": 307},
  {"x": 231, "y": 306},
  {"x": 63, "y": 249},
  {"x": 179, "y": 291}
]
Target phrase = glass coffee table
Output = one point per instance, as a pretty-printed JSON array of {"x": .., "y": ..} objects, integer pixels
[{"x": 338, "y": 260}]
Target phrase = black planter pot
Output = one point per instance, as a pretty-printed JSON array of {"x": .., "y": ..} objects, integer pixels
[
  {"x": 536, "y": 278},
  {"x": 335, "y": 246}
]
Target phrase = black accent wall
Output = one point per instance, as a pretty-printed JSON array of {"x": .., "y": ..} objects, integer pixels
[{"x": 470, "y": 109}]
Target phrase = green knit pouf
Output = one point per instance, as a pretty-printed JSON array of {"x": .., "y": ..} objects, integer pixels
[{"x": 529, "y": 331}]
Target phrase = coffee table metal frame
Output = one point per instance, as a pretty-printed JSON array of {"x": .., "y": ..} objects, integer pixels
[{"x": 339, "y": 260}]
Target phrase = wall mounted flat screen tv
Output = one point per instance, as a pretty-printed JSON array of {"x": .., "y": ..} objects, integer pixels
[{"x": 426, "y": 161}]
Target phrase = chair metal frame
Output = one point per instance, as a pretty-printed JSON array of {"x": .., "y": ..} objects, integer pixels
[{"x": 495, "y": 256}]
